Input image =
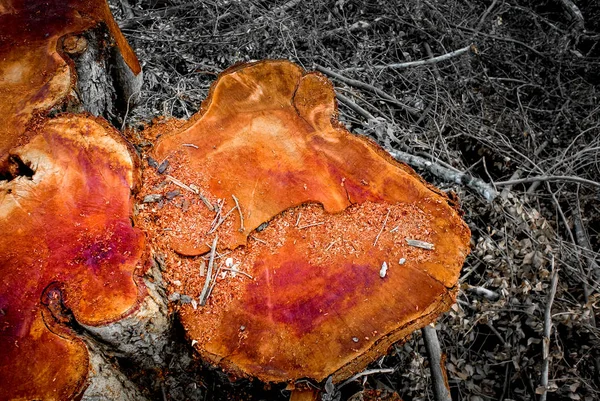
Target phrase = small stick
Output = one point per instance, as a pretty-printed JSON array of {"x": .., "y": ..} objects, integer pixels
[
  {"x": 485, "y": 14},
  {"x": 206, "y": 202},
  {"x": 237, "y": 271},
  {"x": 190, "y": 145},
  {"x": 205, "y": 289},
  {"x": 371, "y": 88},
  {"x": 258, "y": 239},
  {"x": 547, "y": 332},
  {"x": 348, "y": 102},
  {"x": 484, "y": 292},
  {"x": 182, "y": 185},
  {"x": 549, "y": 178},
  {"x": 330, "y": 245},
  {"x": 221, "y": 220},
  {"x": 298, "y": 219},
  {"x": 439, "y": 378},
  {"x": 365, "y": 373},
  {"x": 420, "y": 244},
  {"x": 311, "y": 225},
  {"x": 192, "y": 188},
  {"x": 237, "y": 204},
  {"x": 382, "y": 227},
  {"x": 214, "y": 281},
  {"x": 399, "y": 66},
  {"x": 573, "y": 11}
]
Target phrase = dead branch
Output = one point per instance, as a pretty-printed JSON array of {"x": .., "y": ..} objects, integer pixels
[
  {"x": 481, "y": 187},
  {"x": 362, "y": 85},
  {"x": 573, "y": 11},
  {"x": 517, "y": 174},
  {"x": 485, "y": 14},
  {"x": 237, "y": 205},
  {"x": 547, "y": 333},
  {"x": 205, "y": 289},
  {"x": 543, "y": 178},
  {"x": 348, "y": 102},
  {"x": 484, "y": 292},
  {"x": 582, "y": 240},
  {"x": 439, "y": 378},
  {"x": 363, "y": 374},
  {"x": 410, "y": 64}
]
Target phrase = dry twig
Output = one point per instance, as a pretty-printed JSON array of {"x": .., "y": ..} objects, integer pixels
[
  {"x": 205, "y": 290},
  {"x": 544, "y": 178},
  {"x": 439, "y": 378},
  {"x": 382, "y": 227},
  {"x": 543, "y": 390},
  {"x": 362, "y": 85},
  {"x": 400, "y": 66}
]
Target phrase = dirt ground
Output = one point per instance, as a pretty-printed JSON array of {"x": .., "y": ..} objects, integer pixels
[{"x": 517, "y": 109}]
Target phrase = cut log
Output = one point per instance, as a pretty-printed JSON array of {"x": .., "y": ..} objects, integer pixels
[
  {"x": 37, "y": 73},
  {"x": 306, "y": 215},
  {"x": 68, "y": 252}
]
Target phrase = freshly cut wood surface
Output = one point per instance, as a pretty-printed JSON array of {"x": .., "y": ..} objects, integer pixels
[
  {"x": 67, "y": 250},
  {"x": 303, "y": 296},
  {"x": 34, "y": 73}
]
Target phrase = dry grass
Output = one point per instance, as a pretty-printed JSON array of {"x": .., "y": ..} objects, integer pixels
[{"x": 527, "y": 101}]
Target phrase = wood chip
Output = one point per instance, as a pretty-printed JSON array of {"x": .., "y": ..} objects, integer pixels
[{"x": 420, "y": 244}]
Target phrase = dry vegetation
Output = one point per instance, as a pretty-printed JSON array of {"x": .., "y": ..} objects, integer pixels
[{"x": 521, "y": 103}]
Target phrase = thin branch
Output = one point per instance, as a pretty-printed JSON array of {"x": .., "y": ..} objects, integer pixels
[
  {"x": 311, "y": 225},
  {"x": 362, "y": 85},
  {"x": 401, "y": 66},
  {"x": 182, "y": 185},
  {"x": 481, "y": 187},
  {"x": 211, "y": 261},
  {"x": 484, "y": 292},
  {"x": 485, "y": 14},
  {"x": 222, "y": 220},
  {"x": 573, "y": 11},
  {"x": 237, "y": 205},
  {"x": 348, "y": 102},
  {"x": 237, "y": 272},
  {"x": 487, "y": 35},
  {"x": 543, "y": 178},
  {"x": 439, "y": 378},
  {"x": 382, "y": 227},
  {"x": 547, "y": 333},
  {"x": 517, "y": 174},
  {"x": 365, "y": 373}
]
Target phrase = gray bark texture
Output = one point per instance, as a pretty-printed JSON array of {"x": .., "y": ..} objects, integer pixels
[{"x": 106, "y": 86}]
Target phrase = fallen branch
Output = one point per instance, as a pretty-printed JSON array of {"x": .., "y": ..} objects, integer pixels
[
  {"x": 365, "y": 373},
  {"x": 348, "y": 102},
  {"x": 547, "y": 331},
  {"x": 362, "y": 85},
  {"x": 410, "y": 64},
  {"x": 543, "y": 178},
  {"x": 517, "y": 174},
  {"x": 485, "y": 14},
  {"x": 481, "y": 187},
  {"x": 573, "y": 11},
  {"x": 583, "y": 241},
  {"x": 439, "y": 378},
  {"x": 484, "y": 292}
]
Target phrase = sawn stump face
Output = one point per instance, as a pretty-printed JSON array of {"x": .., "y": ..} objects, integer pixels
[
  {"x": 312, "y": 300},
  {"x": 67, "y": 250}
]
